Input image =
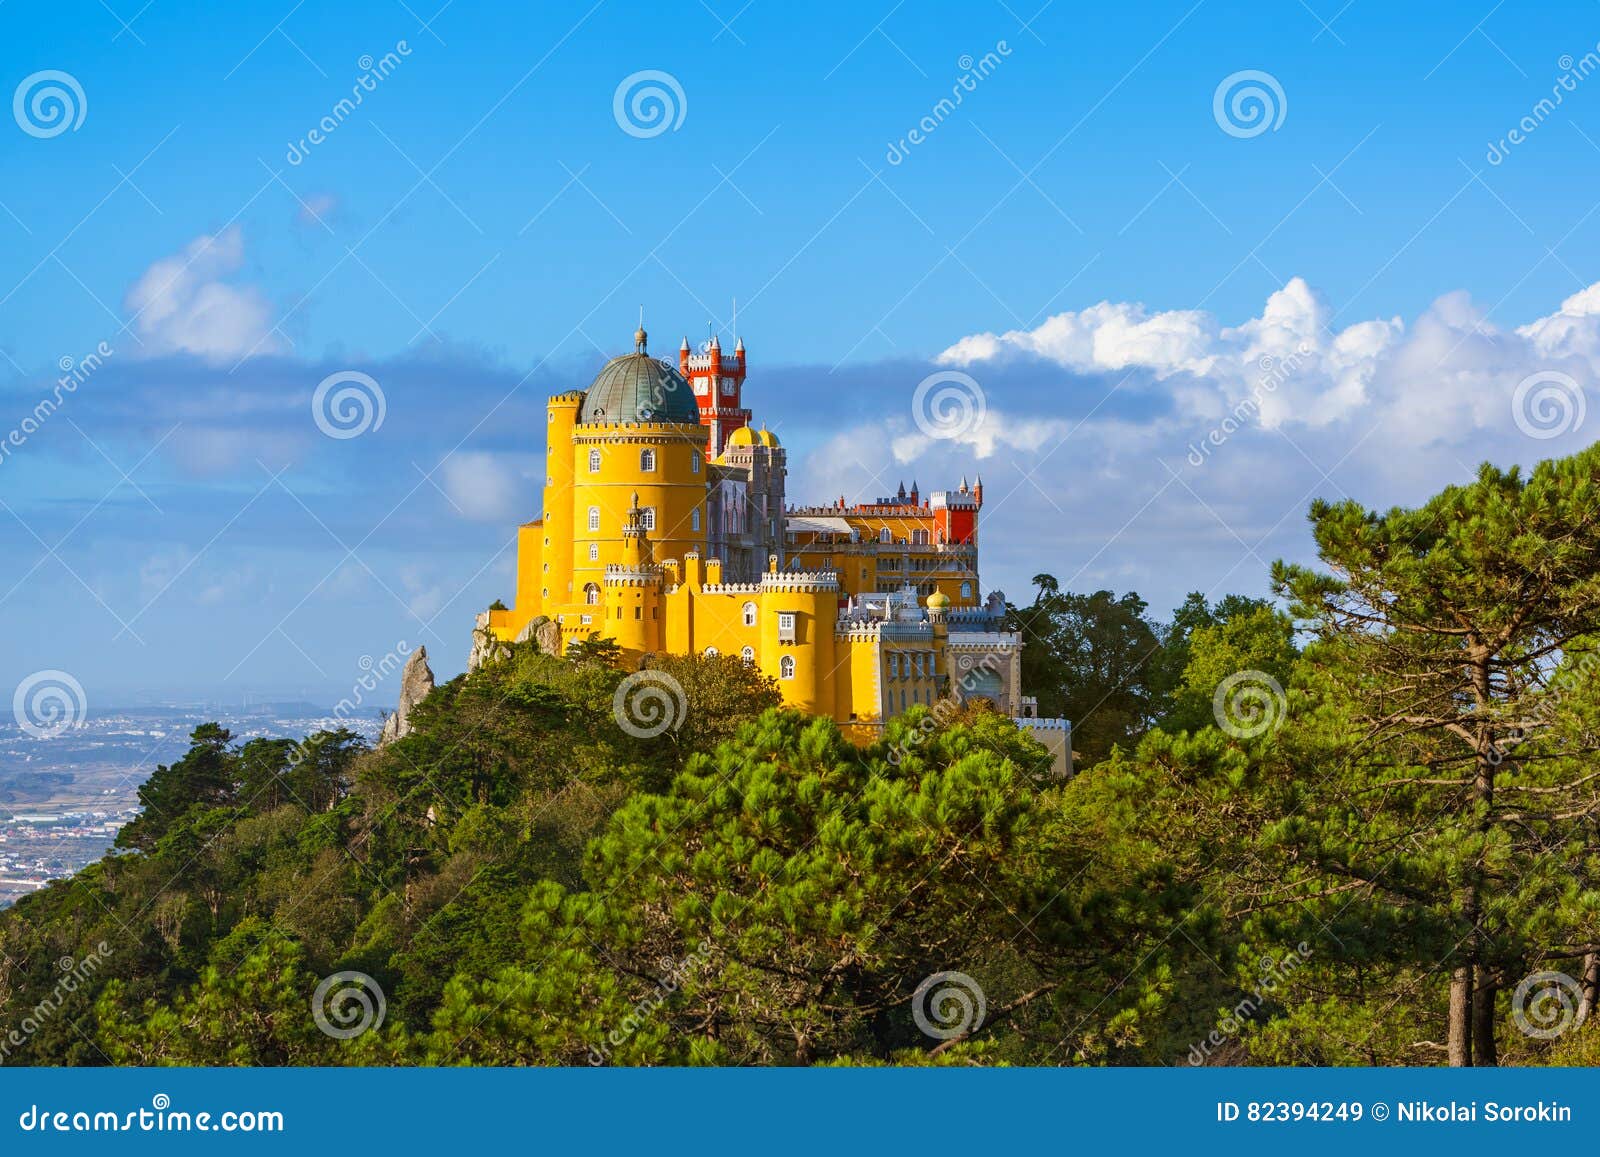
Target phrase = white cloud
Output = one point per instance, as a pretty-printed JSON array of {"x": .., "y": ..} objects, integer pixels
[
  {"x": 1093, "y": 420},
  {"x": 182, "y": 304},
  {"x": 488, "y": 487}
]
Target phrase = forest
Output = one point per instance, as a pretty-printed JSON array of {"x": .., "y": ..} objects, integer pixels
[{"x": 1347, "y": 819}]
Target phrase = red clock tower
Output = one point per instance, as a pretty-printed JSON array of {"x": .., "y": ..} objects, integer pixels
[{"x": 718, "y": 385}]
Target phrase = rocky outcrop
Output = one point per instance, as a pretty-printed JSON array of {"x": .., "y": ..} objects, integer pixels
[
  {"x": 545, "y": 634},
  {"x": 415, "y": 683},
  {"x": 486, "y": 648}
]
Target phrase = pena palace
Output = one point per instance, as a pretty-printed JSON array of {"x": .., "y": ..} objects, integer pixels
[{"x": 667, "y": 528}]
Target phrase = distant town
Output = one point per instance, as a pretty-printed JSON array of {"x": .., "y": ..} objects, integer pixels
[{"x": 63, "y": 799}]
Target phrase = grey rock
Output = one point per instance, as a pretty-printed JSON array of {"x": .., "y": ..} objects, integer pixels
[{"x": 415, "y": 683}]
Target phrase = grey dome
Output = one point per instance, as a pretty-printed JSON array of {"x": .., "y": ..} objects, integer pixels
[{"x": 638, "y": 388}]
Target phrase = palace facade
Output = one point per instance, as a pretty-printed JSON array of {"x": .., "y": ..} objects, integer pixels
[{"x": 667, "y": 528}]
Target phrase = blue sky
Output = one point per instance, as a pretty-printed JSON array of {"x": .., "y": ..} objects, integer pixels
[{"x": 481, "y": 230}]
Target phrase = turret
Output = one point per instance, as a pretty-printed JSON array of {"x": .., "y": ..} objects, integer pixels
[{"x": 977, "y": 490}]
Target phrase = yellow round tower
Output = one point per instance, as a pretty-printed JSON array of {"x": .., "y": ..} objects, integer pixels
[
  {"x": 799, "y": 611},
  {"x": 555, "y": 580},
  {"x": 638, "y": 433}
]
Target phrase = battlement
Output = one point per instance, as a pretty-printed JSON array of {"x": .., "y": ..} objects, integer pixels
[{"x": 799, "y": 580}]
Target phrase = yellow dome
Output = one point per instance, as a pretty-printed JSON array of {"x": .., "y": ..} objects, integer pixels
[
  {"x": 743, "y": 436},
  {"x": 767, "y": 438},
  {"x": 938, "y": 599}
]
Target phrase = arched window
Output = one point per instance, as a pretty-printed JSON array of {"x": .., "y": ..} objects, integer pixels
[
  {"x": 648, "y": 516},
  {"x": 594, "y": 461},
  {"x": 647, "y": 459},
  {"x": 594, "y": 518},
  {"x": 894, "y": 666},
  {"x": 748, "y": 655},
  {"x": 694, "y": 519},
  {"x": 919, "y": 538},
  {"x": 694, "y": 462},
  {"x": 886, "y": 535},
  {"x": 786, "y": 667},
  {"x": 591, "y": 594},
  {"x": 749, "y": 614},
  {"x": 966, "y": 590},
  {"x": 594, "y": 552},
  {"x": 711, "y": 652}
]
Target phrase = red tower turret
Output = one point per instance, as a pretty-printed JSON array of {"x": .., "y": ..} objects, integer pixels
[{"x": 718, "y": 385}]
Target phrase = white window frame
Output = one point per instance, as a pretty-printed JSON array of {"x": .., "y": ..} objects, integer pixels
[
  {"x": 594, "y": 461},
  {"x": 591, "y": 595},
  {"x": 748, "y": 655},
  {"x": 647, "y": 517},
  {"x": 594, "y": 519},
  {"x": 786, "y": 667},
  {"x": 594, "y": 552},
  {"x": 750, "y": 614},
  {"x": 647, "y": 460}
]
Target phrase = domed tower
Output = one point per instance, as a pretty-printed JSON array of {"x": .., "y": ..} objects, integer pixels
[{"x": 638, "y": 434}]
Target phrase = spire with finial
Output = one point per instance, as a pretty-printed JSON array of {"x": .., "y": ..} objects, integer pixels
[
  {"x": 963, "y": 484},
  {"x": 639, "y": 336}
]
